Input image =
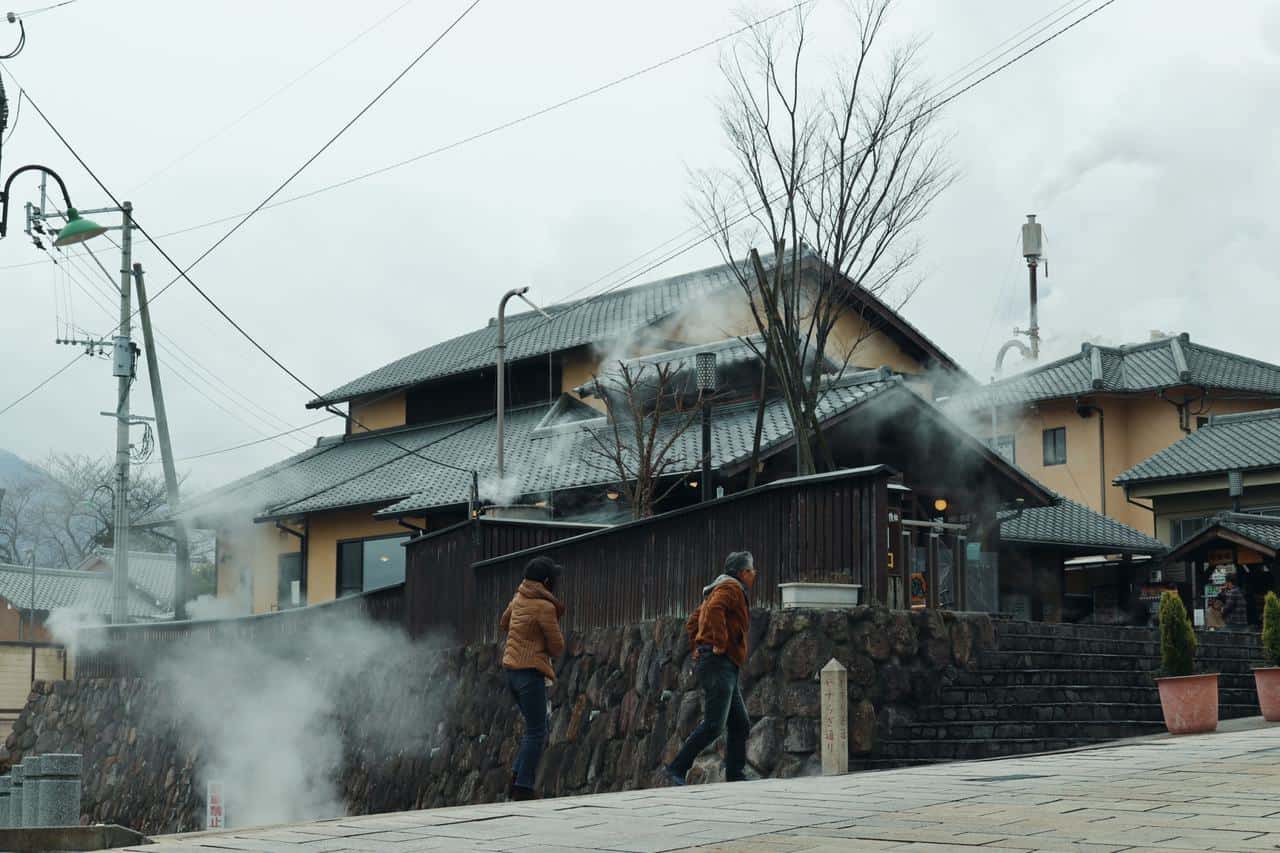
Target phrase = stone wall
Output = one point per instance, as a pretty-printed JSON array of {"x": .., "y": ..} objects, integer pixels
[{"x": 625, "y": 699}]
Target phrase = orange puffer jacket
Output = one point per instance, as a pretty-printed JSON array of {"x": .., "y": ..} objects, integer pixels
[
  {"x": 532, "y": 623},
  {"x": 723, "y": 619}
]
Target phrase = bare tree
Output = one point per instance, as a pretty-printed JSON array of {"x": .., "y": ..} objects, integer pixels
[
  {"x": 19, "y": 522},
  {"x": 839, "y": 175},
  {"x": 641, "y": 446}
]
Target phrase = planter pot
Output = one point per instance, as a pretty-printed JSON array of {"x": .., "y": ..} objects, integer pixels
[
  {"x": 1190, "y": 703},
  {"x": 1268, "y": 681},
  {"x": 820, "y": 596}
]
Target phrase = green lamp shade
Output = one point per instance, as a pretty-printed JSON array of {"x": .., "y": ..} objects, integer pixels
[{"x": 77, "y": 230}]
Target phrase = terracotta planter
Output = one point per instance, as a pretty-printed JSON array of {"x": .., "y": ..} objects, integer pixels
[
  {"x": 1268, "y": 681},
  {"x": 1190, "y": 703}
]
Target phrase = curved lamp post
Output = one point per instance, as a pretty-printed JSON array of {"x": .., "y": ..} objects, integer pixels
[{"x": 77, "y": 229}]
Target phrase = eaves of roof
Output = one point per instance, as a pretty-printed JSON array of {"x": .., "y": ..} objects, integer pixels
[
  {"x": 1246, "y": 442},
  {"x": 1073, "y": 526}
]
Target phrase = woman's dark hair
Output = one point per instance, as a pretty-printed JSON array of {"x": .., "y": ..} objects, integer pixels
[{"x": 542, "y": 569}]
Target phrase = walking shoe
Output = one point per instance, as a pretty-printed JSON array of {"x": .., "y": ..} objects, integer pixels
[
  {"x": 673, "y": 777},
  {"x": 519, "y": 793}
]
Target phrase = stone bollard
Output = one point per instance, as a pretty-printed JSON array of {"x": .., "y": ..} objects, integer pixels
[
  {"x": 59, "y": 803},
  {"x": 835, "y": 718},
  {"x": 30, "y": 789},
  {"x": 4, "y": 800},
  {"x": 15, "y": 795}
]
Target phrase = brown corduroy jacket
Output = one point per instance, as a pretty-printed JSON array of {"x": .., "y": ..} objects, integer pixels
[
  {"x": 722, "y": 620},
  {"x": 532, "y": 623}
]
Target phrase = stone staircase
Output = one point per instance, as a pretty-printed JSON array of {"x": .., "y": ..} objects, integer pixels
[{"x": 1049, "y": 686}]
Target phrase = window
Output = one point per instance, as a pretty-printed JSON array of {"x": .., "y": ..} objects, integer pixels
[
  {"x": 366, "y": 564},
  {"x": 1201, "y": 422},
  {"x": 289, "y": 568},
  {"x": 1055, "y": 446},
  {"x": 1182, "y": 529}
]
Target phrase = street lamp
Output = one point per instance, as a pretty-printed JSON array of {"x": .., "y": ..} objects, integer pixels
[
  {"x": 77, "y": 229},
  {"x": 706, "y": 369}
]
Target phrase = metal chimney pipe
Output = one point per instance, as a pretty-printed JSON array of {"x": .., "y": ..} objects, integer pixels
[{"x": 502, "y": 370}]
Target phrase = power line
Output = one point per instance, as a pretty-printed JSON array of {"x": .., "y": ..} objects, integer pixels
[
  {"x": 33, "y": 12},
  {"x": 271, "y": 97},
  {"x": 242, "y": 446},
  {"x": 506, "y": 125},
  {"x": 753, "y": 209},
  {"x": 42, "y": 383}
]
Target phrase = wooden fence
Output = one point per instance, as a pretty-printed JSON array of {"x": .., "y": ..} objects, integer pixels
[
  {"x": 458, "y": 580},
  {"x": 122, "y": 650},
  {"x": 439, "y": 589},
  {"x": 800, "y": 529}
]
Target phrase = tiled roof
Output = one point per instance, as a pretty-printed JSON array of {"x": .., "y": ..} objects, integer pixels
[
  {"x": 1261, "y": 530},
  {"x": 603, "y": 318},
  {"x": 62, "y": 588},
  {"x": 682, "y": 362},
  {"x": 1075, "y": 525},
  {"x": 1166, "y": 363},
  {"x": 151, "y": 573},
  {"x": 546, "y": 461},
  {"x": 530, "y": 334},
  {"x": 1242, "y": 442}
]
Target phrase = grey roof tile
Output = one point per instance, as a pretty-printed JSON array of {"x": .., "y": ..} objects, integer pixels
[
  {"x": 150, "y": 572},
  {"x": 1242, "y": 442},
  {"x": 1128, "y": 369},
  {"x": 530, "y": 334},
  {"x": 62, "y": 588},
  {"x": 1071, "y": 524}
]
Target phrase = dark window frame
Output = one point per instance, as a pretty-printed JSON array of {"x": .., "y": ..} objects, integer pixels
[
  {"x": 358, "y": 540},
  {"x": 1055, "y": 450}
]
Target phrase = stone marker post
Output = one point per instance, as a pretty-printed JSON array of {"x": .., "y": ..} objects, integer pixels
[
  {"x": 15, "y": 794},
  {"x": 4, "y": 800},
  {"x": 835, "y": 719},
  {"x": 30, "y": 789},
  {"x": 59, "y": 798}
]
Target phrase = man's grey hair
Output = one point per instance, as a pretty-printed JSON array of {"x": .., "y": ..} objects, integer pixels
[{"x": 738, "y": 562}]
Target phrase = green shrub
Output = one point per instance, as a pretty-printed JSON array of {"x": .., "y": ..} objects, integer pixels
[
  {"x": 1271, "y": 629},
  {"x": 1177, "y": 637}
]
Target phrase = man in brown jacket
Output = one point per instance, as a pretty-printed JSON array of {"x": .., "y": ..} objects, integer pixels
[
  {"x": 532, "y": 623},
  {"x": 718, "y": 631}
]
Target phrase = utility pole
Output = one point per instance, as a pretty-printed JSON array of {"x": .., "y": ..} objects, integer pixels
[
  {"x": 1032, "y": 240},
  {"x": 182, "y": 570},
  {"x": 122, "y": 367}
]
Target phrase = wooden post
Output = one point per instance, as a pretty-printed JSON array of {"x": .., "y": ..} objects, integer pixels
[{"x": 835, "y": 719}]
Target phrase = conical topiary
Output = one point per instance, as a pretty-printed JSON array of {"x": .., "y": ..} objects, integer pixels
[
  {"x": 1271, "y": 629},
  {"x": 1177, "y": 637}
]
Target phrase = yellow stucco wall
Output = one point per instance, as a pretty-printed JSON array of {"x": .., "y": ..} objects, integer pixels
[
  {"x": 326, "y": 530},
  {"x": 252, "y": 551},
  {"x": 378, "y": 412},
  {"x": 1136, "y": 427}
]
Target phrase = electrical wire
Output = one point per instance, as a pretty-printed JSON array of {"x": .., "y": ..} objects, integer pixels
[
  {"x": 754, "y": 209},
  {"x": 506, "y": 125},
  {"x": 33, "y": 12},
  {"x": 271, "y": 97},
  {"x": 234, "y": 447}
]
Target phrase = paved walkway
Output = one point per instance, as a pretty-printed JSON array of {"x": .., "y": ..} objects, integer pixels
[{"x": 1211, "y": 792}]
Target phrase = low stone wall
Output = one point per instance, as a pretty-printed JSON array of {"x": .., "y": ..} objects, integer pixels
[{"x": 624, "y": 701}]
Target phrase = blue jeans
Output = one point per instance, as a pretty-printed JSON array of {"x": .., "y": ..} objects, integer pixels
[
  {"x": 528, "y": 687},
  {"x": 722, "y": 708}
]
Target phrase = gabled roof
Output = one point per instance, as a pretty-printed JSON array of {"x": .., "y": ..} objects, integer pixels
[
  {"x": 56, "y": 589},
  {"x": 1133, "y": 368},
  {"x": 1259, "y": 532},
  {"x": 603, "y": 318},
  {"x": 1248, "y": 441},
  {"x": 1077, "y": 528}
]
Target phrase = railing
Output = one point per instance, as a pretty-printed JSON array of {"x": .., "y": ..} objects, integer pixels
[
  {"x": 440, "y": 581},
  {"x": 800, "y": 529}
]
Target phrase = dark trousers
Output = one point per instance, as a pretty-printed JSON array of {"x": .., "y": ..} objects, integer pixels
[
  {"x": 722, "y": 708},
  {"x": 528, "y": 687}
]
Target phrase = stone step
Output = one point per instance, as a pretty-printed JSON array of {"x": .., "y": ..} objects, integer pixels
[
  {"x": 1071, "y": 730},
  {"x": 1070, "y": 694},
  {"x": 1051, "y": 713},
  {"x": 1053, "y": 676}
]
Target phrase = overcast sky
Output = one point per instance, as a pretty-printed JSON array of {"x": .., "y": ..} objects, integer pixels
[{"x": 1144, "y": 139}]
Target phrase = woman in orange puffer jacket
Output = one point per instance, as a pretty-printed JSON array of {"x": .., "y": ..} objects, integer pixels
[{"x": 532, "y": 623}]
